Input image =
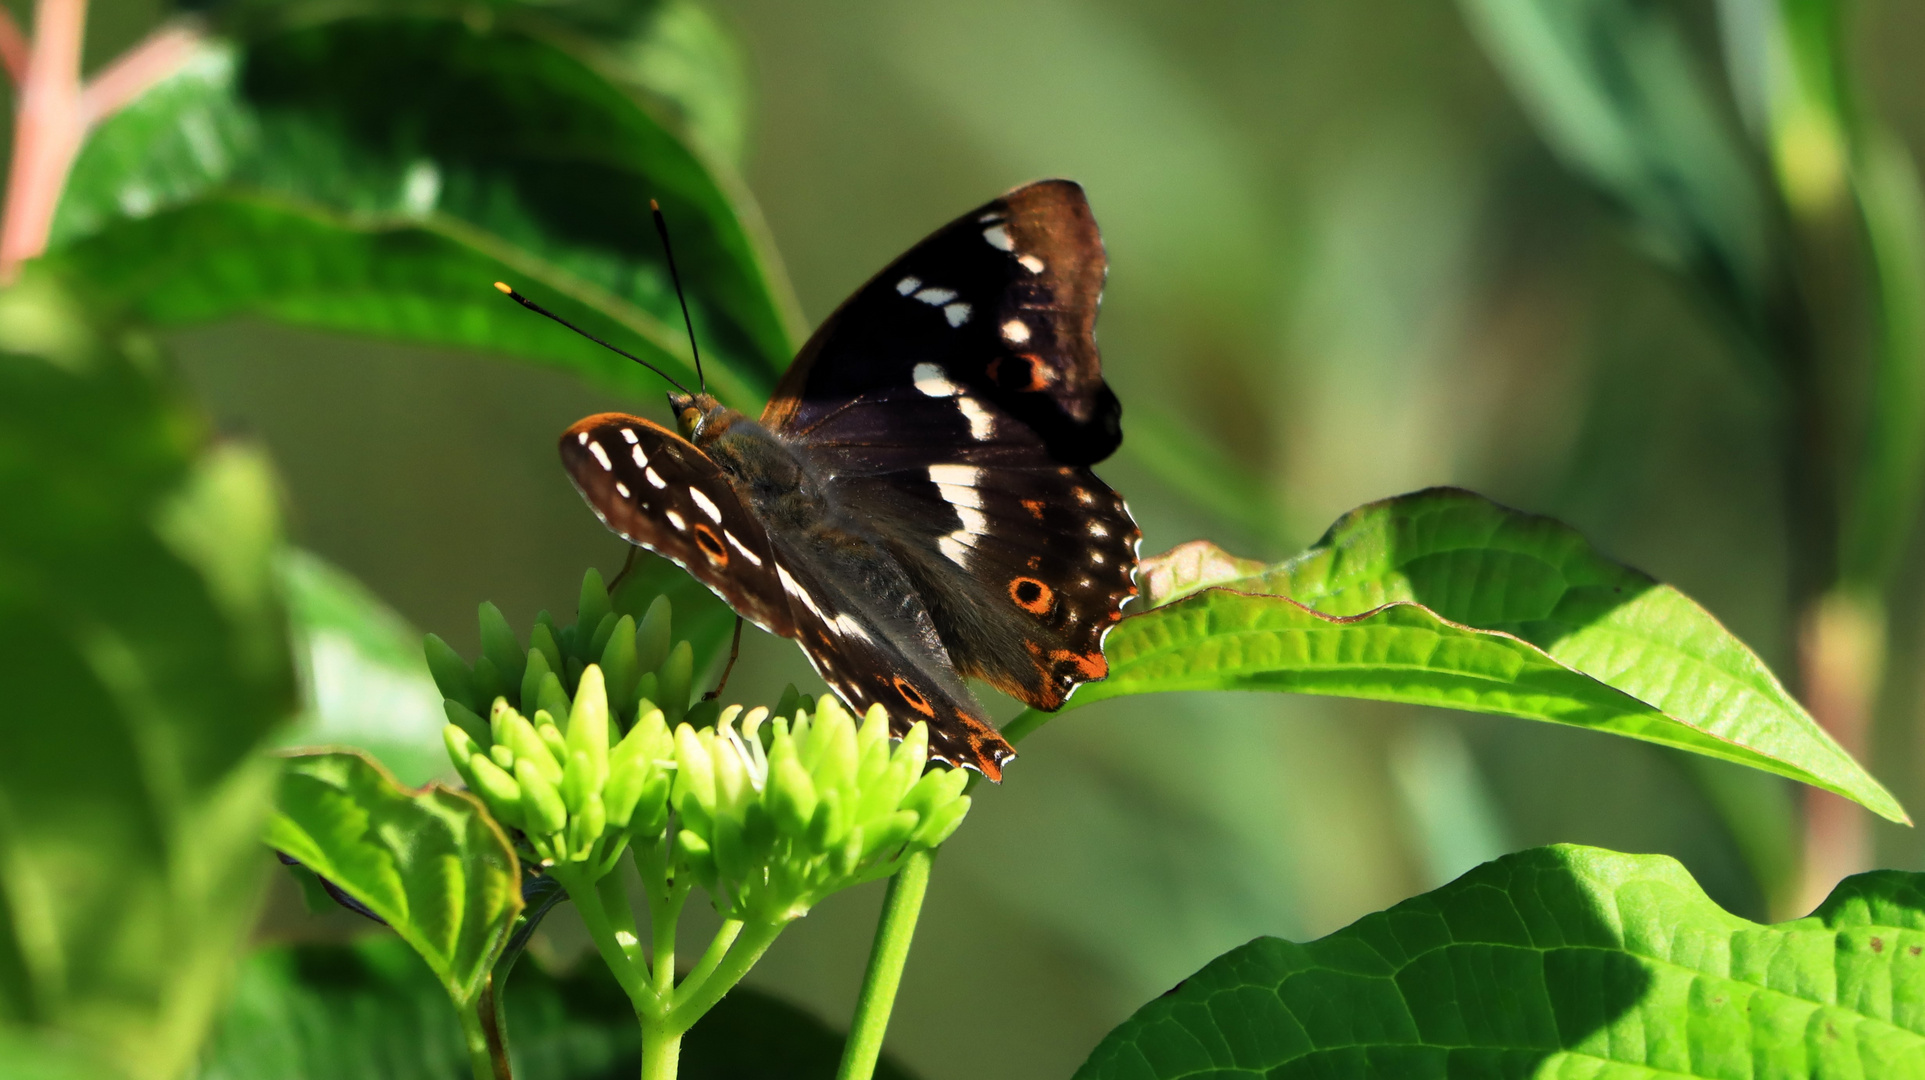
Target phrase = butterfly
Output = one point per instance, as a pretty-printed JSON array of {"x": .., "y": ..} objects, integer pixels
[{"x": 915, "y": 505}]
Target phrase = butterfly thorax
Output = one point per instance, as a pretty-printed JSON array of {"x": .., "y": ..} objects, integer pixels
[{"x": 765, "y": 471}]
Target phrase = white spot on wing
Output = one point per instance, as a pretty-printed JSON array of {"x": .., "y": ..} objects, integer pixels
[
  {"x": 1098, "y": 529},
  {"x": 641, "y": 459},
  {"x": 1031, "y": 263},
  {"x": 954, "y": 549},
  {"x": 957, "y": 314},
  {"x": 675, "y": 519},
  {"x": 932, "y": 380},
  {"x": 998, "y": 238},
  {"x": 582, "y": 438},
  {"x": 789, "y": 586},
  {"x": 981, "y": 424},
  {"x": 1016, "y": 331},
  {"x": 621, "y": 489},
  {"x": 908, "y": 285},
  {"x": 601, "y": 456},
  {"x": 848, "y": 625},
  {"x": 993, "y": 215},
  {"x": 628, "y": 434},
  {"x": 957, "y": 483},
  {"x": 936, "y": 297},
  {"x": 708, "y": 505},
  {"x": 737, "y": 545},
  {"x": 655, "y": 478}
]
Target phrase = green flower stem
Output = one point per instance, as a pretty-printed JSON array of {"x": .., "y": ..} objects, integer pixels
[
  {"x": 1025, "y": 723},
  {"x": 588, "y": 903},
  {"x": 887, "y": 957},
  {"x": 748, "y": 948},
  {"x": 663, "y": 916},
  {"x": 661, "y": 1050},
  {"x": 621, "y": 918},
  {"x": 724, "y": 937},
  {"x": 480, "y": 1061}
]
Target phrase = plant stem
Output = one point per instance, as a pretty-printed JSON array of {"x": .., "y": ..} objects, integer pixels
[
  {"x": 480, "y": 1061},
  {"x": 493, "y": 1030},
  {"x": 894, "y": 932},
  {"x": 661, "y": 1050},
  {"x": 755, "y": 940},
  {"x": 724, "y": 937},
  {"x": 588, "y": 903}
]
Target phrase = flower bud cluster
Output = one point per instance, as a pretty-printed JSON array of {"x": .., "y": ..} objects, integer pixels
[
  {"x": 635, "y": 655},
  {"x": 775, "y": 815},
  {"x": 569, "y": 784}
]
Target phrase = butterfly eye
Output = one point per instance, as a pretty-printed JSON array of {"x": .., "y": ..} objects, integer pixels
[{"x": 914, "y": 697}]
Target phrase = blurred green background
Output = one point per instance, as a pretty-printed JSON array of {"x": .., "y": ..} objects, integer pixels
[{"x": 1342, "y": 255}]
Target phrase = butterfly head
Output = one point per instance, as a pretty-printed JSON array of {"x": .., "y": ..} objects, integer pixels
[{"x": 700, "y": 416}]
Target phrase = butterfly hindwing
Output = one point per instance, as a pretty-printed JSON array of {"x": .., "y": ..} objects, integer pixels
[
  {"x": 877, "y": 644},
  {"x": 660, "y": 492},
  {"x": 956, "y": 401}
]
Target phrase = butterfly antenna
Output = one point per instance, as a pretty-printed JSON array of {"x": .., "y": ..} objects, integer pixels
[
  {"x": 542, "y": 311},
  {"x": 661, "y": 226}
]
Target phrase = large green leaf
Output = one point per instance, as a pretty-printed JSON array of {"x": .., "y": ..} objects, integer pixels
[
  {"x": 432, "y": 864},
  {"x": 376, "y": 174},
  {"x": 366, "y": 683},
  {"x": 146, "y": 665},
  {"x": 1566, "y": 962},
  {"x": 371, "y": 1012},
  {"x": 1614, "y": 88},
  {"x": 1445, "y": 598}
]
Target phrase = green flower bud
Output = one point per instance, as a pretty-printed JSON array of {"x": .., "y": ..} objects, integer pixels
[
  {"x": 502, "y": 756},
  {"x": 648, "y": 689},
  {"x": 531, "y": 676},
  {"x": 499, "y": 791},
  {"x": 651, "y": 637},
  {"x": 888, "y": 833},
  {"x": 939, "y": 824},
  {"x": 619, "y": 668},
  {"x": 514, "y": 731},
  {"x": 676, "y": 674},
  {"x": 464, "y": 718},
  {"x": 593, "y": 605},
  {"x": 703, "y": 714},
  {"x": 936, "y": 788},
  {"x": 461, "y": 746},
  {"x": 551, "y": 736},
  {"x": 604, "y": 633},
  {"x": 695, "y": 771},
  {"x": 588, "y": 727},
  {"x": 450, "y": 672},
  {"x": 498, "y": 644},
  {"x": 584, "y": 829},
  {"x": 488, "y": 681},
  {"x": 791, "y": 793},
  {"x": 788, "y": 703},
  {"x": 579, "y": 784},
  {"x": 694, "y": 853},
  {"x": 829, "y": 827},
  {"x": 551, "y": 697},
  {"x": 542, "y": 639},
  {"x": 541, "y": 803}
]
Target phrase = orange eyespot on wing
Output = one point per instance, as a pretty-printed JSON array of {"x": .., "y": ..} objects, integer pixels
[
  {"x": 913, "y": 697},
  {"x": 711, "y": 545},
  {"x": 1031, "y": 595}
]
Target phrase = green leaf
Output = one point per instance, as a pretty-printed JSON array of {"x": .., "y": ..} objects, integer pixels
[
  {"x": 148, "y": 665},
  {"x": 288, "y": 179},
  {"x": 1444, "y": 598},
  {"x": 1613, "y": 87},
  {"x": 370, "y": 1011},
  {"x": 1561, "y": 961},
  {"x": 432, "y": 864},
  {"x": 366, "y": 683}
]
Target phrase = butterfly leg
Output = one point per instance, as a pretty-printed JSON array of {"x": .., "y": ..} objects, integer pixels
[
  {"x": 735, "y": 649},
  {"x": 627, "y": 565}
]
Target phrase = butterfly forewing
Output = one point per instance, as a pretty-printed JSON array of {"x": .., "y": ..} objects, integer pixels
[{"x": 659, "y": 491}]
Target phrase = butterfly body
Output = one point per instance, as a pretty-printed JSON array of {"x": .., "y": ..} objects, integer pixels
[{"x": 915, "y": 504}]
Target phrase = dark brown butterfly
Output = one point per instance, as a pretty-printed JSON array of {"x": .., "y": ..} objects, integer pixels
[{"x": 915, "y": 505}]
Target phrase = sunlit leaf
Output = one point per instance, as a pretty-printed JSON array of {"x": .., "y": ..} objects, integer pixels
[
  {"x": 291, "y": 178},
  {"x": 1445, "y": 598},
  {"x": 1561, "y": 961},
  {"x": 147, "y": 666},
  {"x": 431, "y": 864},
  {"x": 366, "y": 683}
]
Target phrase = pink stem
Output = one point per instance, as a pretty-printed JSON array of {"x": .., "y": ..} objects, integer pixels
[
  {"x": 13, "y": 48},
  {"x": 47, "y": 132},
  {"x": 159, "y": 55}
]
